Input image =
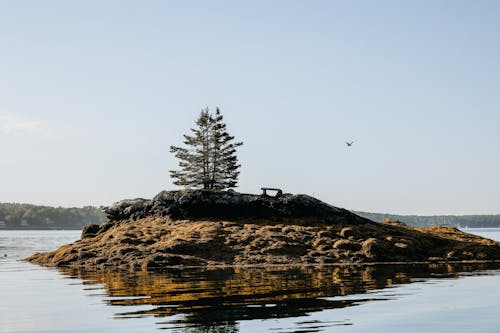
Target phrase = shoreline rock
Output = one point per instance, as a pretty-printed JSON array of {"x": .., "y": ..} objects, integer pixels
[{"x": 203, "y": 228}]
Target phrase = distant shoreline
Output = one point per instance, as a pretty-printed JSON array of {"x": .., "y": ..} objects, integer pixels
[
  {"x": 458, "y": 221},
  {"x": 15, "y": 216}
]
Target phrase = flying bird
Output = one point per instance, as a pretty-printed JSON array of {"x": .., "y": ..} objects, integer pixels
[{"x": 349, "y": 143}]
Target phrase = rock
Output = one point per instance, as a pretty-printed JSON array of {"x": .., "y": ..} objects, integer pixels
[
  {"x": 99, "y": 261},
  {"x": 371, "y": 248},
  {"x": 346, "y": 232},
  {"x": 467, "y": 255},
  {"x": 322, "y": 241},
  {"x": 128, "y": 208},
  {"x": 287, "y": 248},
  {"x": 404, "y": 248},
  {"x": 452, "y": 255},
  {"x": 84, "y": 254},
  {"x": 126, "y": 250},
  {"x": 230, "y": 205},
  {"x": 184, "y": 247},
  {"x": 344, "y": 244},
  {"x": 394, "y": 222},
  {"x": 132, "y": 241},
  {"x": 401, "y": 245},
  {"x": 90, "y": 230}
]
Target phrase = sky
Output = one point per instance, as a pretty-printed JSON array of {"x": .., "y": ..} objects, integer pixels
[{"x": 93, "y": 93}]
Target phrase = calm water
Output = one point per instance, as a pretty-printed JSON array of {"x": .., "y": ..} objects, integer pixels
[{"x": 414, "y": 298}]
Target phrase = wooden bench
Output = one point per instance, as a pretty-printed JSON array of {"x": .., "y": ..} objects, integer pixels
[{"x": 279, "y": 192}]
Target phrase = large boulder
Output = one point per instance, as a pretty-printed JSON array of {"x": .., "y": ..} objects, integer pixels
[
  {"x": 90, "y": 230},
  {"x": 231, "y": 205},
  {"x": 128, "y": 209}
]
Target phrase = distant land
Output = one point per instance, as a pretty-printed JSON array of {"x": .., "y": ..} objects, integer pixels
[
  {"x": 28, "y": 217},
  {"x": 32, "y": 217},
  {"x": 462, "y": 221}
]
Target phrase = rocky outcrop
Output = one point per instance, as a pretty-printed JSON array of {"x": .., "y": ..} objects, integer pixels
[
  {"x": 231, "y": 205},
  {"x": 200, "y": 228}
]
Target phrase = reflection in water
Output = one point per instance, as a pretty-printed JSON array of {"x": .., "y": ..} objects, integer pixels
[{"x": 215, "y": 300}]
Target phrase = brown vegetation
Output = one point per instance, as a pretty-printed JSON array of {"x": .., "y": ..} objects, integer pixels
[{"x": 160, "y": 242}]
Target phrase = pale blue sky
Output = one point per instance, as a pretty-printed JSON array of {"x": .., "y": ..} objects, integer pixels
[{"x": 92, "y": 94}]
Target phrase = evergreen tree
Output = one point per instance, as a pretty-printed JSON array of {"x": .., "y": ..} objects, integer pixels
[{"x": 210, "y": 161}]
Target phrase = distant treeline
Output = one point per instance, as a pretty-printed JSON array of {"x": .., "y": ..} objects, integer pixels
[
  {"x": 25, "y": 216},
  {"x": 471, "y": 221}
]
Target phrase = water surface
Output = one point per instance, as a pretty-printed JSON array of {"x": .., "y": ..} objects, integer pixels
[{"x": 382, "y": 298}]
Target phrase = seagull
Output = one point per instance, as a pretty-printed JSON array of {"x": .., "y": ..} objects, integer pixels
[{"x": 349, "y": 143}]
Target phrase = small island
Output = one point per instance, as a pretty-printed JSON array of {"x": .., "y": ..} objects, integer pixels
[
  {"x": 220, "y": 228},
  {"x": 209, "y": 224}
]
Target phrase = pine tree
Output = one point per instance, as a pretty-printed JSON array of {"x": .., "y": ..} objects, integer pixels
[{"x": 210, "y": 161}]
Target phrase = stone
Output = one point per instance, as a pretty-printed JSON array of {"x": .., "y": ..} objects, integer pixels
[
  {"x": 84, "y": 254},
  {"x": 370, "y": 248},
  {"x": 394, "y": 222},
  {"x": 230, "y": 205},
  {"x": 126, "y": 208},
  {"x": 90, "y": 230},
  {"x": 345, "y": 244},
  {"x": 346, "y": 232},
  {"x": 401, "y": 245}
]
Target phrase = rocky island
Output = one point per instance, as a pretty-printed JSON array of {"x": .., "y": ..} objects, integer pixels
[{"x": 210, "y": 228}]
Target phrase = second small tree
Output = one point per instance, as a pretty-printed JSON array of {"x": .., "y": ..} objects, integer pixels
[{"x": 209, "y": 161}]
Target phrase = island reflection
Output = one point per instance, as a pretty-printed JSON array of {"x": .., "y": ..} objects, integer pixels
[{"x": 215, "y": 300}]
